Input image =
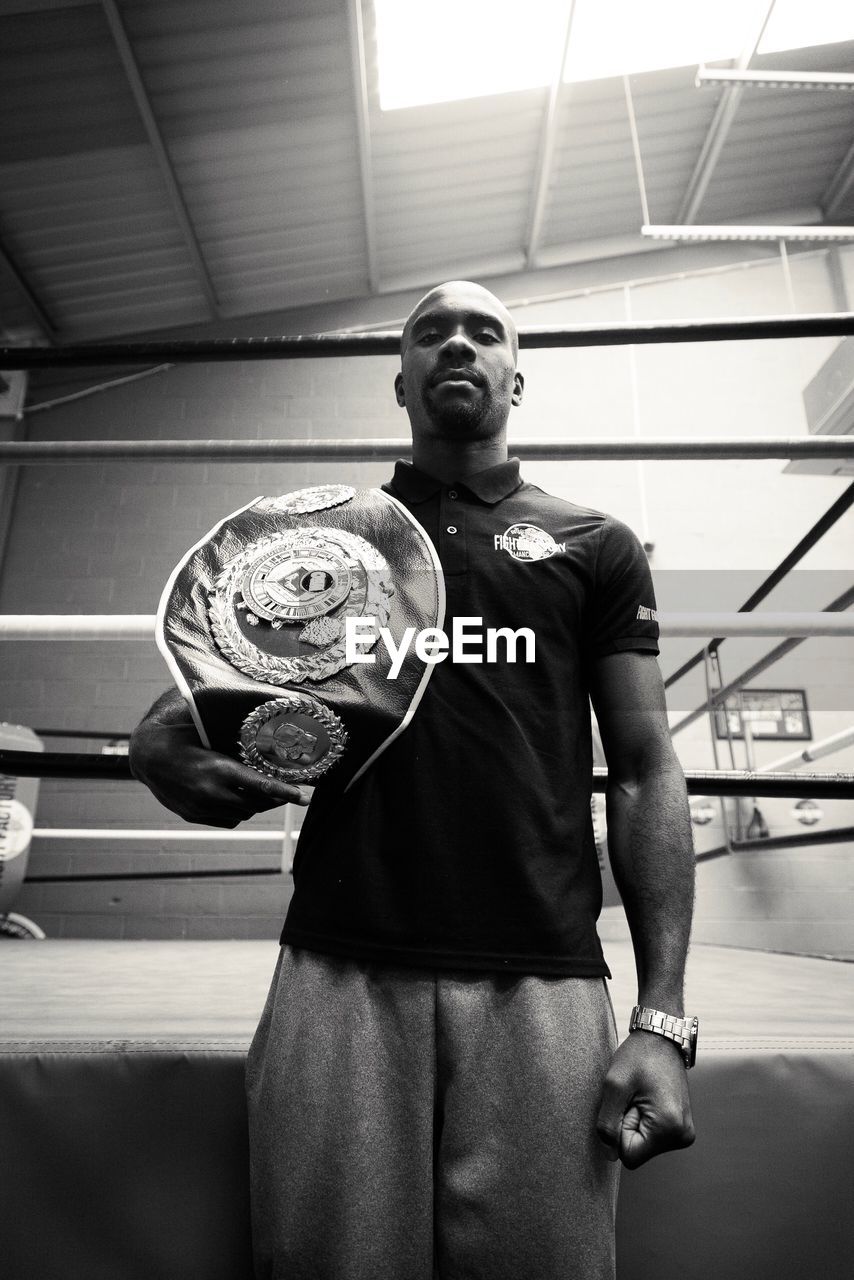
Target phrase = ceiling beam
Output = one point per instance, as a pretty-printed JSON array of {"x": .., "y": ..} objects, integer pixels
[
  {"x": 26, "y": 289},
  {"x": 12, "y": 8},
  {"x": 718, "y": 132},
  {"x": 548, "y": 134},
  {"x": 836, "y": 275},
  {"x": 134, "y": 77},
  {"x": 839, "y": 186},
  {"x": 363, "y": 133}
]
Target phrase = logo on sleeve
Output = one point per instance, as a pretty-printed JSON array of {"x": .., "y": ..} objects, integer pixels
[
  {"x": 645, "y": 614},
  {"x": 527, "y": 542}
]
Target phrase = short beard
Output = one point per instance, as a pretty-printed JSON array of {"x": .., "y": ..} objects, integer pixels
[{"x": 464, "y": 418}]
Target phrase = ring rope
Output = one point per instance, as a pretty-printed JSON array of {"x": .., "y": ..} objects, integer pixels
[
  {"x": 719, "y": 696},
  {"x": 715, "y": 782},
  {"x": 50, "y": 452},
  {"x": 319, "y": 345},
  {"x": 824, "y": 523},
  {"x": 140, "y": 626}
]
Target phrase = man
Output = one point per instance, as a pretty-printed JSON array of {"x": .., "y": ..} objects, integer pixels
[{"x": 434, "y": 1087}]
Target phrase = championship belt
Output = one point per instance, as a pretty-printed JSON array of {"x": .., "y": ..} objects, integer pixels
[{"x": 253, "y": 626}]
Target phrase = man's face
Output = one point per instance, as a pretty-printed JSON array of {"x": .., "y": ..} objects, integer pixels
[{"x": 458, "y": 375}]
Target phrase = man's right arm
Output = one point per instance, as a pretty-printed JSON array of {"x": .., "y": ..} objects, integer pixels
[{"x": 198, "y": 784}]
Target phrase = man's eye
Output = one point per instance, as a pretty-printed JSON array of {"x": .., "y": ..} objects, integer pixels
[
  {"x": 487, "y": 335},
  {"x": 429, "y": 335}
]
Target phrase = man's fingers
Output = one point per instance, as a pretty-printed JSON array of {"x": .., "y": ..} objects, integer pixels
[
  {"x": 610, "y": 1138},
  {"x": 209, "y": 807},
  {"x": 258, "y": 791},
  {"x": 207, "y": 787},
  {"x": 645, "y": 1135},
  {"x": 227, "y": 818},
  {"x": 612, "y": 1148},
  {"x": 637, "y": 1141},
  {"x": 610, "y": 1119},
  {"x": 218, "y": 801}
]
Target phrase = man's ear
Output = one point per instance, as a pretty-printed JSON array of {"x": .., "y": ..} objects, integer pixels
[
  {"x": 518, "y": 388},
  {"x": 398, "y": 390}
]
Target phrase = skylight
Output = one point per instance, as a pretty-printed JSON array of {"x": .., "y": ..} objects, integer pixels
[{"x": 452, "y": 49}]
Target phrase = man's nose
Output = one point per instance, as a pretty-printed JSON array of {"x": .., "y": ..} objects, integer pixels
[{"x": 458, "y": 345}]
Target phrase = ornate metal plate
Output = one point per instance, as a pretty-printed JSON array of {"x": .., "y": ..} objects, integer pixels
[
  {"x": 278, "y": 608},
  {"x": 318, "y": 497}
]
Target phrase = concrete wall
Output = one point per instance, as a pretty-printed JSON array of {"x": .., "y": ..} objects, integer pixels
[{"x": 102, "y": 539}]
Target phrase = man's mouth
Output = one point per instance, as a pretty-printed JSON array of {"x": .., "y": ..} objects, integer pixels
[{"x": 455, "y": 376}]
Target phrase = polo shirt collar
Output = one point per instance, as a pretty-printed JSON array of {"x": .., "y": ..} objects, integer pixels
[{"x": 490, "y": 486}]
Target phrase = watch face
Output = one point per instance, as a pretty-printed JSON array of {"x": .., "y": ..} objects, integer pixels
[{"x": 693, "y": 1031}]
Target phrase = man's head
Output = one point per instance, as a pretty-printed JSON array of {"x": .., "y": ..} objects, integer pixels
[{"x": 458, "y": 352}]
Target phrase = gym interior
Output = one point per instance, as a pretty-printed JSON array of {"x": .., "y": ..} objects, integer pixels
[{"x": 214, "y": 221}]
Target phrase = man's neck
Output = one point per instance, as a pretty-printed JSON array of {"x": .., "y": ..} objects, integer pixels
[{"x": 454, "y": 460}]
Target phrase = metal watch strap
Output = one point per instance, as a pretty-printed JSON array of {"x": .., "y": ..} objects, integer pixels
[{"x": 682, "y": 1031}]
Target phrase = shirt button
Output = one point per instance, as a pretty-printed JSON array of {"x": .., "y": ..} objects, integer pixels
[
  {"x": 452, "y": 528},
  {"x": 452, "y": 493}
]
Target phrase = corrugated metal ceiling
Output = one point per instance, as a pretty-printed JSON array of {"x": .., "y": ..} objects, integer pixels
[{"x": 230, "y": 179}]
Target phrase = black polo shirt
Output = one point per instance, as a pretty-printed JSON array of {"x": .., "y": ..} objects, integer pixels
[{"x": 468, "y": 844}]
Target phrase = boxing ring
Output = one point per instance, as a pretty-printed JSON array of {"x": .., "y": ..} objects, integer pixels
[
  {"x": 121, "y": 1102},
  {"x": 121, "y": 1064}
]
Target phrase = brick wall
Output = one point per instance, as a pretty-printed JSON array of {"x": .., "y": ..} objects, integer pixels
[{"x": 103, "y": 538}]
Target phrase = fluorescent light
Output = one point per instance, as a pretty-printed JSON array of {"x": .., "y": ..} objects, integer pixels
[
  {"x": 776, "y": 79},
  {"x": 454, "y": 49},
  {"x": 734, "y": 232}
]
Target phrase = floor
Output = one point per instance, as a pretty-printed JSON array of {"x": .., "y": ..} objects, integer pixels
[{"x": 64, "y": 990}]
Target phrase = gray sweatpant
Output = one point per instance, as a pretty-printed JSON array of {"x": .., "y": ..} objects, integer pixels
[{"x": 407, "y": 1124}]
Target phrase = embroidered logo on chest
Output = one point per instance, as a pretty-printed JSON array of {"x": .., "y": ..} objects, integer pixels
[{"x": 527, "y": 542}]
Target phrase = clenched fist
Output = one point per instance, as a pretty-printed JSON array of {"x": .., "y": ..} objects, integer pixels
[{"x": 645, "y": 1107}]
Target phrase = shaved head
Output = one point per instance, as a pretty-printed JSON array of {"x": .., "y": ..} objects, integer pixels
[{"x": 474, "y": 294}]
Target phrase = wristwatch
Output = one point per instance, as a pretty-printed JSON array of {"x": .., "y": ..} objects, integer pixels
[{"x": 682, "y": 1031}]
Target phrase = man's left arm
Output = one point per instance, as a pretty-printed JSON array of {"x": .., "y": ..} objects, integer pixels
[{"x": 645, "y": 1106}]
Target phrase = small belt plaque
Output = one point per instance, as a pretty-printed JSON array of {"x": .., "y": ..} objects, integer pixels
[{"x": 292, "y": 738}]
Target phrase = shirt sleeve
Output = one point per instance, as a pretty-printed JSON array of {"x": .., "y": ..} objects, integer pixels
[{"x": 622, "y": 613}]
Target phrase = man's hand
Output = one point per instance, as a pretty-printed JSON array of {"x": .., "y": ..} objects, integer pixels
[
  {"x": 201, "y": 785},
  {"x": 645, "y": 1106}
]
